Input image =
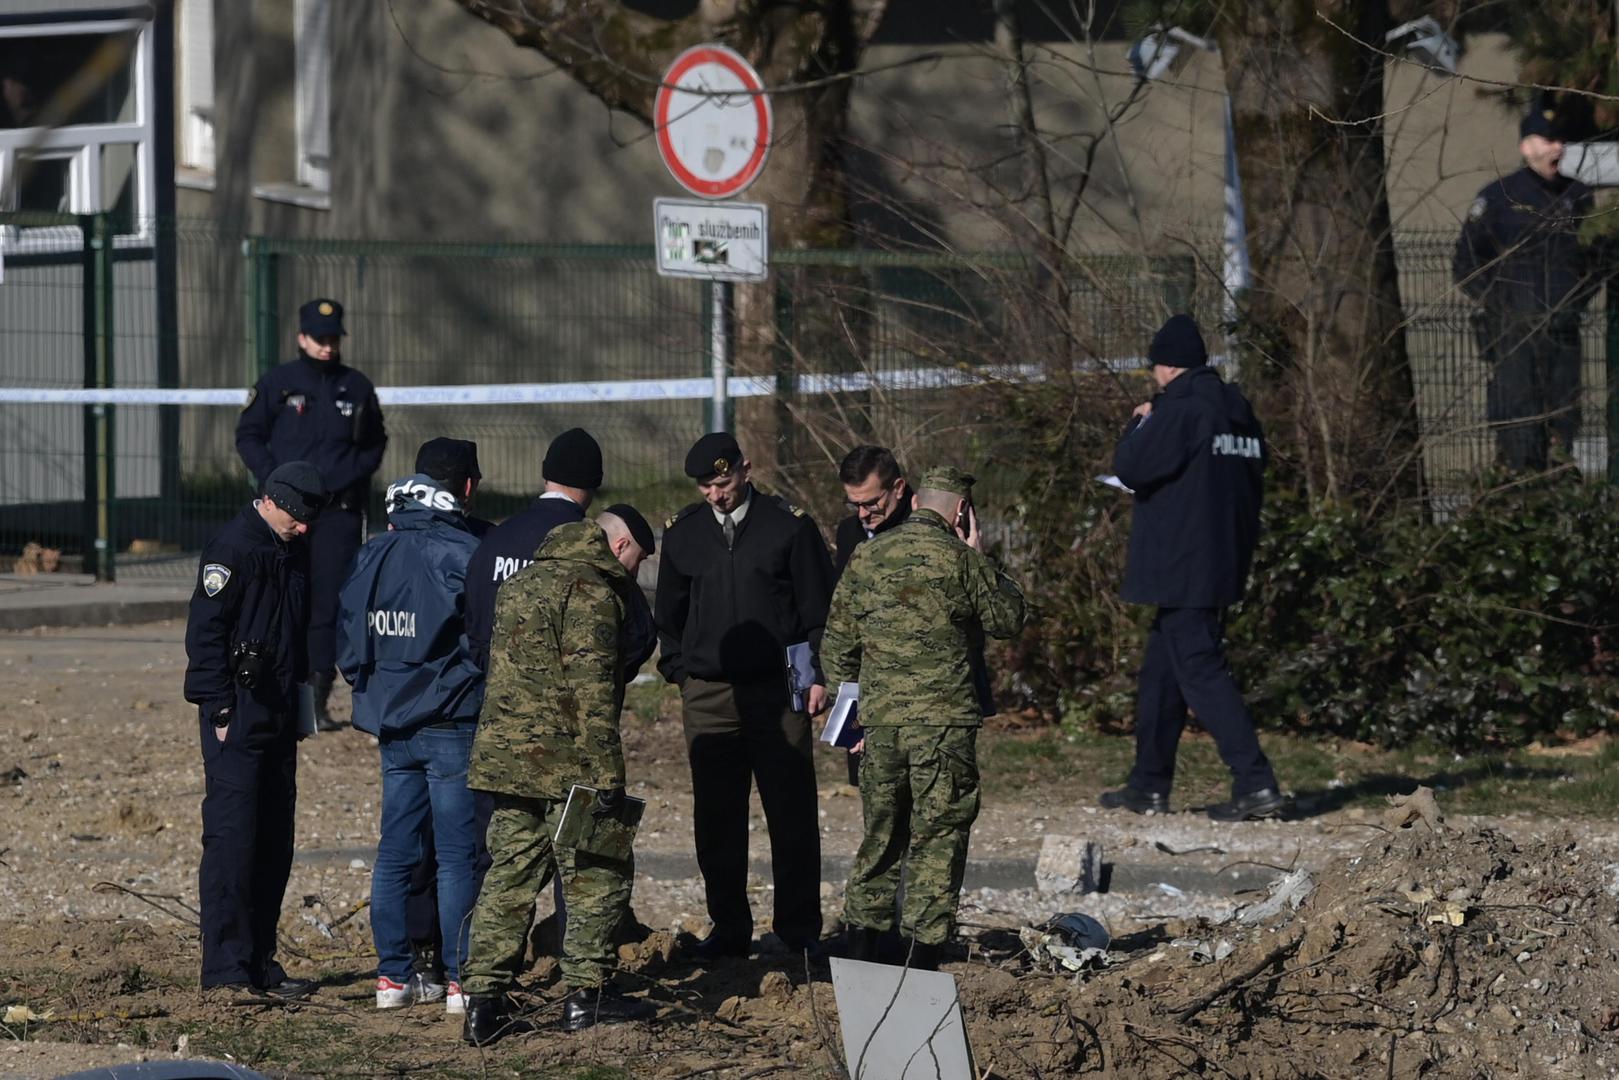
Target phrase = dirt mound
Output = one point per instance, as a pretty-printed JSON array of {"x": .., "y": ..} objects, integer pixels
[{"x": 1432, "y": 953}]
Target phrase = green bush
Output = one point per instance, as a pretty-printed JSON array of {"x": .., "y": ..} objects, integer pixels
[{"x": 1493, "y": 628}]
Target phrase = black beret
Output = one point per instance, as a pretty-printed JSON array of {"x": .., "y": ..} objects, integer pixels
[
  {"x": 444, "y": 458},
  {"x": 1178, "y": 344},
  {"x": 321, "y": 318},
  {"x": 715, "y": 454},
  {"x": 297, "y": 488},
  {"x": 574, "y": 460},
  {"x": 640, "y": 531}
]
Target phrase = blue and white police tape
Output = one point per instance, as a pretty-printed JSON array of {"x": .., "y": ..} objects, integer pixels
[{"x": 583, "y": 393}]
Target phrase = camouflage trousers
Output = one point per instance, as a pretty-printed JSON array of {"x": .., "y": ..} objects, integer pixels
[
  {"x": 919, "y": 791},
  {"x": 595, "y": 890}
]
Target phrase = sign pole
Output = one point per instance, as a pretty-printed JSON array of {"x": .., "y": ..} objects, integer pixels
[{"x": 719, "y": 354}]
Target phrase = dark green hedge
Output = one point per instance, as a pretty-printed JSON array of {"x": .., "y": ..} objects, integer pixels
[{"x": 1494, "y": 627}]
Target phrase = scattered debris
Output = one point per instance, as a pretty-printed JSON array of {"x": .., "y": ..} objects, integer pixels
[
  {"x": 1069, "y": 942},
  {"x": 22, "y": 1014},
  {"x": 13, "y": 776},
  {"x": 1419, "y": 807},
  {"x": 1068, "y": 864},
  {"x": 1286, "y": 894}
]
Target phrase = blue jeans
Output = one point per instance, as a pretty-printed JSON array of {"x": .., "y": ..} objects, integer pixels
[{"x": 422, "y": 770}]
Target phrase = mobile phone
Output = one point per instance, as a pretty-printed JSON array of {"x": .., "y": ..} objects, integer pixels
[{"x": 963, "y": 515}]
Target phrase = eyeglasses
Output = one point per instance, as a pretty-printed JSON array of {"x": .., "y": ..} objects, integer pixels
[{"x": 868, "y": 504}]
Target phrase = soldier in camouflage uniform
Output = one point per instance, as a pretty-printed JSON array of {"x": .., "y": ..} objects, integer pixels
[
  {"x": 907, "y": 615},
  {"x": 561, "y": 653}
]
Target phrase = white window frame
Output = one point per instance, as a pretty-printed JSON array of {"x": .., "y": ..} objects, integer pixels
[
  {"x": 83, "y": 143},
  {"x": 195, "y": 53},
  {"x": 312, "y": 57}
]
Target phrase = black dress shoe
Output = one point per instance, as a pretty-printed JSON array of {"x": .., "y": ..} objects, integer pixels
[
  {"x": 716, "y": 945},
  {"x": 488, "y": 1021},
  {"x": 290, "y": 989},
  {"x": 589, "y": 1006},
  {"x": 1135, "y": 801},
  {"x": 1264, "y": 803}
]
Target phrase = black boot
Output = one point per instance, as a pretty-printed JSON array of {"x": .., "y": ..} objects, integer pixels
[
  {"x": 320, "y": 683},
  {"x": 601, "y": 1005},
  {"x": 488, "y": 1021},
  {"x": 861, "y": 943},
  {"x": 923, "y": 957}
]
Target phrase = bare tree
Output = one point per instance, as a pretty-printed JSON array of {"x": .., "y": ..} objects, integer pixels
[{"x": 806, "y": 54}]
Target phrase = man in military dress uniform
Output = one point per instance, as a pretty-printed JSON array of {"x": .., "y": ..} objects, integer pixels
[
  {"x": 245, "y": 660},
  {"x": 315, "y": 408},
  {"x": 1520, "y": 257},
  {"x": 560, "y": 657},
  {"x": 743, "y": 576},
  {"x": 909, "y": 614}
]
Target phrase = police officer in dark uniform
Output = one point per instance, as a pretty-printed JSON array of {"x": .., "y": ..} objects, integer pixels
[
  {"x": 316, "y": 409},
  {"x": 245, "y": 639},
  {"x": 1520, "y": 257},
  {"x": 1195, "y": 458},
  {"x": 744, "y": 575},
  {"x": 572, "y": 471}
]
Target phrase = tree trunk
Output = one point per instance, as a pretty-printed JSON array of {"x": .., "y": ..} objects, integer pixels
[{"x": 1323, "y": 325}]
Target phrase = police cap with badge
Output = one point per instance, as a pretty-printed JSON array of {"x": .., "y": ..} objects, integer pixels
[{"x": 320, "y": 318}]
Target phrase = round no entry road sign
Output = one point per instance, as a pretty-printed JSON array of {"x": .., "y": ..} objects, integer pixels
[{"x": 713, "y": 122}]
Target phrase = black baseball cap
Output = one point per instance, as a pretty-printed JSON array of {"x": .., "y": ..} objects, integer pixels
[
  {"x": 297, "y": 488},
  {"x": 321, "y": 317}
]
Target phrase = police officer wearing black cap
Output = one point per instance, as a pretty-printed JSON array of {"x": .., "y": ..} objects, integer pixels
[
  {"x": 1195, "y": 457},
  {"x": 743, "y": 576},
  {"x": 245, "y": 646},
  {"x": 1520, "y": 257},
  {"x": 572, "y": 471},
  {"x": 316, "y": 409}
]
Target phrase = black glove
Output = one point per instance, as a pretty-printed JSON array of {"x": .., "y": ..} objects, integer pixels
[
  {"x": 223, "y": 716},
  {"x": 608, "y": 801}
]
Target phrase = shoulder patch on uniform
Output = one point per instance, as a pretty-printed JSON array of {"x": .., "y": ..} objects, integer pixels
[
  {"x": 781, "y": 500},
  {"x": 683, "y": 512},
  {"x": 215, "y": 576},
  {"x": 252, "y": 396},
  {"x": 1476, "y": 211}
]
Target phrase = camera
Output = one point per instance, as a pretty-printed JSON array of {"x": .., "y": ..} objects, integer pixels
[{"x": 249, "y": 663}]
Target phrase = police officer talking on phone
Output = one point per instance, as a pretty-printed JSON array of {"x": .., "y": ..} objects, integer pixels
[
  {"x": 245, "y": 650},
  {"x": 317, "y": 409}
]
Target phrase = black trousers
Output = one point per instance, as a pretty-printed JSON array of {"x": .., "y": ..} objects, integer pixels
[
  {"x": 1534, "y": 390},
  {"x": 1185, "y": 666},
  {"x": 421, "y": 903},
  {"x": 737, "y": 734},
  {"x": 247, "y": 814},
  {"x": 334, "y": 538}
]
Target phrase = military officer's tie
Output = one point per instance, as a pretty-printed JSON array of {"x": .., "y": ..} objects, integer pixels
[{"x": 729, "y": 526}]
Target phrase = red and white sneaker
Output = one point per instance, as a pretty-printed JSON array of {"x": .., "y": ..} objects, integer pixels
[
  {"x": 393, "y": 995},
  {"x": 455, "y": 1002}
]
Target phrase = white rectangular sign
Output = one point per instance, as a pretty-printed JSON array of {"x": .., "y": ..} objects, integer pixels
[{"x": 717, "y": 241}]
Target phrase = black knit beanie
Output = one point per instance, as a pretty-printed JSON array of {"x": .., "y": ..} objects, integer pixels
[
  {"x": 574, "y": 460},
  {"x": 1178, "y": 344}
]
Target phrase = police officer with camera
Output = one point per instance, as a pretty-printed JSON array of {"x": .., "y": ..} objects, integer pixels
[
  {"x": 315, "y": 408},
  {"x": 245, "y": 647}
]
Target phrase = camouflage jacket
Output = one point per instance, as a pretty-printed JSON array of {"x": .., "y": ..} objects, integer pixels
[
  {"x": 556, "y": 678},
  {"x": 905, "y": 617}
]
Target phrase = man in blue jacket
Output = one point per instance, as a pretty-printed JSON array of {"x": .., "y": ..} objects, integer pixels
[
  {"x": 1195, "y": 457},
  {"x": 245, "y": 654},
  {"x": 315, "y": 408},
  {"x": 403, "y": 646}
]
